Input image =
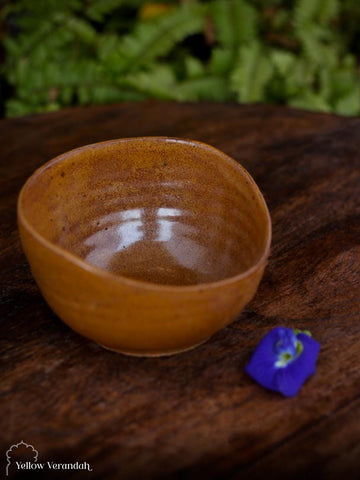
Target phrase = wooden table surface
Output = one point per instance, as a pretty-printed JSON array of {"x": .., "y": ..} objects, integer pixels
[{"x": 197, "y": 415}]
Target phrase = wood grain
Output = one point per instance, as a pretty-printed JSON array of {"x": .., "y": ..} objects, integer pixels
[{"x": 197, "y": 415}]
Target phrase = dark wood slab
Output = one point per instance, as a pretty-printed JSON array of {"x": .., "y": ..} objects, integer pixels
[{"x": 197, "y": 415}]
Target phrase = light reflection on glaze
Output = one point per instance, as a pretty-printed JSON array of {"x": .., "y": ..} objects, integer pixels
[
  {"x": 164, "y": 224},
  {"x": 117, "y": 231},
  {"x": 120, "y": 231}
]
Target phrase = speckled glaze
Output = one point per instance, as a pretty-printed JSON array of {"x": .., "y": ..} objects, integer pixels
[{"x": 147, "y": 246}]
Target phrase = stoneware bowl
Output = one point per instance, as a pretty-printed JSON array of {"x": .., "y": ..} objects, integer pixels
[{"x": 147, "y": 246}]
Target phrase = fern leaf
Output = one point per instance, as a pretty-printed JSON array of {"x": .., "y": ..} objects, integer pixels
[
  {"x": 316, "y": 47},
  {"x": 299, "y": 78},
  {"x": 235, "y": 22},
  {"x": 325, "y": 80},
  {"x": 344, "y": 81},
  {"x": 349, "y": 104},
  {"x": 283, "y": 61},
  {"x": 97, "y": 9},
  {"x": 16, "y": 107},
  {"x": 159, "y": 82},
  {"x": 109, "y": 93},
  {"x": 194, "y": 68},
  {"x": 82, "y": 29},
  {"x": 156, "y": 37},
  {"x": 106, "y": 45},
  {"x": 221, "y": 61},
  {"x": 310, "y": 101},
  {"x": 252, "y": 73},
  {"x": 328, "y": 9},
  {"x": 212, "y": 88},
  {"x": 306, "y": 11},
  {"x": 315, "y": 11}
]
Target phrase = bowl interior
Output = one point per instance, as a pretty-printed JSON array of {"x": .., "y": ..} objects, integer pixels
[{"x": 160, "y": 210}]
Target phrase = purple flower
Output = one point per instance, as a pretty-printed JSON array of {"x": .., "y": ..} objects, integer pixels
[{"x": 283, "y": 360}]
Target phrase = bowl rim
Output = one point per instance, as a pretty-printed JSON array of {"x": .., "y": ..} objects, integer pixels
[{"x": 98, "y": 271}]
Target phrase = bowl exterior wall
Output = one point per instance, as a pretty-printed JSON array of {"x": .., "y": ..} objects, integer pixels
[{"x": 129, "y": 316}]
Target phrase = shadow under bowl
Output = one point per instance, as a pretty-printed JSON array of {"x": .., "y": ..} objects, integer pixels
[{"x": 147, "y": 246}]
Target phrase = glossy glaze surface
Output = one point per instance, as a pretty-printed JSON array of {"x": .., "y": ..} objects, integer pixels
[{"x": 177, "y": 231}]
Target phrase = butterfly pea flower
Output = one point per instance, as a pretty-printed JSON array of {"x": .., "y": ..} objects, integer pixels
[{"x": 283, "y": 360}]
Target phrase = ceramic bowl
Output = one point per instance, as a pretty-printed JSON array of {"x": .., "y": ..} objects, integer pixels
[{"x": 147, "y": 246}]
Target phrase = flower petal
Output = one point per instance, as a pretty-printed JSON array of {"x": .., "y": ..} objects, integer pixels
[
  {"x": 290, "y": 379},
  {"x": 261, "y": 366},
  {"x": 286, "y": 379}
]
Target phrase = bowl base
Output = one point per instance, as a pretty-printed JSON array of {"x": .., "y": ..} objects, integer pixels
[{"x": 154, "y": 355}]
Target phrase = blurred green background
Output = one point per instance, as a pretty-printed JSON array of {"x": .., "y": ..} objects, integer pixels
[{"x": 57, "y": 53}]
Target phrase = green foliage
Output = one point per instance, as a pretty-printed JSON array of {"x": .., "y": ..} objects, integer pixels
[
  {"x": 252, "y": 73},
  {"x": 235, "y": 22},
  {"x": 152, "y": 40},
  {"x": 74, "y": 52}
]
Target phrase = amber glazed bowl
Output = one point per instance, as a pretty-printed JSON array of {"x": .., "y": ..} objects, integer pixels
[{"x": 147, "y": 246}]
